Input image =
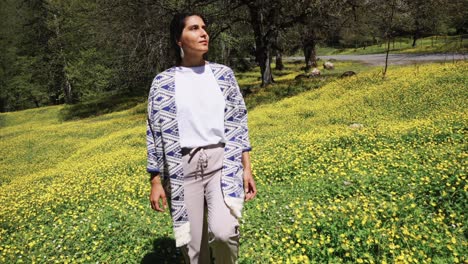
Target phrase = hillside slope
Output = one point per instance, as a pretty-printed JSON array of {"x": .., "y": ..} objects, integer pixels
[{"x": 390, "y": 187}]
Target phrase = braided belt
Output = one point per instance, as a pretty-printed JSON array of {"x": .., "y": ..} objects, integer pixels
[{"x": 202, "y": 162}]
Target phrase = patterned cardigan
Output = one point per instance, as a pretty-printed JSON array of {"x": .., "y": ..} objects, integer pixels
[{"x": 164, "y": 150}]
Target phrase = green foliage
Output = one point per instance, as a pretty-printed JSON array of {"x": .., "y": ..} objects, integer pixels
[
  {"x": 89, "y": 75},
  {"x": 24, "y": 73}
]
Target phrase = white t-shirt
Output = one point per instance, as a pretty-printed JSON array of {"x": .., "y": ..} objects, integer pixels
[{"x": 200, "y": 106}]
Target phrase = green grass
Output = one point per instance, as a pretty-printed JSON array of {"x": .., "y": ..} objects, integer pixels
[
  {"x": 433, "y": 44},
  {"x": 286, "y": 86},
  {"x": 392, "y": 190}
]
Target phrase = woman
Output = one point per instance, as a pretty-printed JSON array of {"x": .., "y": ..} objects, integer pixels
[{"x": 198, "y": 147}]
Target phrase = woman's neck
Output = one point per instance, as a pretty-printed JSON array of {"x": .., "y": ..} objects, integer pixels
[{"x": 192, "y": 62}]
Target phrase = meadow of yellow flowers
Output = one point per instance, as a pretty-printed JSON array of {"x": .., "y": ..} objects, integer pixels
[{"x": 362, "y": 170}]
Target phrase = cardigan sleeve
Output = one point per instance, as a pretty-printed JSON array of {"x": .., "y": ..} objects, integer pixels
[
  {"x": 243, "y": 116},
  {"x": 153, "y": 133}
]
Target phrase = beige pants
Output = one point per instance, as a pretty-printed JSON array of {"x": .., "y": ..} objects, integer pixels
[{"x": 211, "y": 222}]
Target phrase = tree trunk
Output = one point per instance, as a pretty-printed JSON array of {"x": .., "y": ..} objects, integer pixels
[
  {"x": 279, "y": 61},
  {"x": 386, "y": 57},
  {"x": 67, "y": 88},
  {"x": 265, "y": 68},
  {"x": 3, "y": 105},
  {"x": 264, "y": 60},
  {"x": 387, "y": 35},
  {"x": 224, "y": 53},
  {"x": 415, "y": 37},
  {"x": 310, "y": 53},
  {"x": 264, "y": 37}
]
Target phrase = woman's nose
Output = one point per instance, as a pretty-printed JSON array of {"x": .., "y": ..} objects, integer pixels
[{"x": 204, "y": 33}]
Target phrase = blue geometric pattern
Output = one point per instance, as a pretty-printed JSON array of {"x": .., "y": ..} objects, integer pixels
[{"x": 164, "y": 151}]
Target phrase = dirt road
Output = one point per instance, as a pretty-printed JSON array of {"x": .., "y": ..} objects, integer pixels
[{"x": 395, "y": 59}]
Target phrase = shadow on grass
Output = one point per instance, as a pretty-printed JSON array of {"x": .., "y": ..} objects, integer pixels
[
  {"x": 99, "y": 106},
  {"x": 282, "y": 89},
  {"x": 164, "y": 251},
  {"x": 2, "y": 121}
]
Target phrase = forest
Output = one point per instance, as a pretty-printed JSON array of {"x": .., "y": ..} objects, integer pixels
[{"x": 69, "y": 52}]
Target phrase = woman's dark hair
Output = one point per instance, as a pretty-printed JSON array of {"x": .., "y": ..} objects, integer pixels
[{"x": 176, "y": 28}]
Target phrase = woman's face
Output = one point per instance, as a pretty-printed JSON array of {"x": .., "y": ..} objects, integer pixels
[{"x": 194, "y": 39}]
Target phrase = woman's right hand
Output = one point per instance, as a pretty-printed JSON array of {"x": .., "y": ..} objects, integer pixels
[{"x": 157, "y": 193}]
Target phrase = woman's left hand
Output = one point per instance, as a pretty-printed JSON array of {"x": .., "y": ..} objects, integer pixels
[{"x": 249, "y": 185}]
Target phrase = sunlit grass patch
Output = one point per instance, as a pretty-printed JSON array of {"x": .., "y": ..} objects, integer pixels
[
  {"x": 389, "y": 190},
  {"x": 432, "y": 44}
]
